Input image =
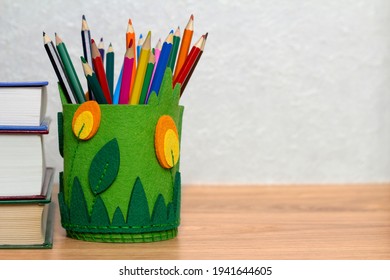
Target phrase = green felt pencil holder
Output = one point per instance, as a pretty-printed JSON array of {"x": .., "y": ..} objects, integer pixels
[{"x": 121, "y": 179}]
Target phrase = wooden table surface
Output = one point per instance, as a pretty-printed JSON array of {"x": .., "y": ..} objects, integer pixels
[{"x": 255, "y": 222}]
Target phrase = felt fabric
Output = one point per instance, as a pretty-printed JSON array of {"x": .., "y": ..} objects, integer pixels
[
  {"x": 159, "y": 214},
  {"x": 118, "y": 219},
  {"x": 60, "y": 124},
  {"x": 166, "y": 141},
  {"x": 99, "y": 215},
  {"x": 138, "y": 214},
  {"x": 86, "y": 120},
  {"x": 104, "y": 167},
  {"x": 164, "y": 217},
  {"x": 77, "y": 201},
  {"x": 117, "y": 168}
]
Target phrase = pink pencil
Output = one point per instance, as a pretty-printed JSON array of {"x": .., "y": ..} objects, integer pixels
[
  {"x": 157, "y": 51},
  {"x": 128, "y": 62}
]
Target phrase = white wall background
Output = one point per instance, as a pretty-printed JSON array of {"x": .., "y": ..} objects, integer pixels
[{"x": 286, "y": 91}]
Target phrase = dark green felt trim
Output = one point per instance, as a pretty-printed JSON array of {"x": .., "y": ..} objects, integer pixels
[{"x": 124, "y": 238}]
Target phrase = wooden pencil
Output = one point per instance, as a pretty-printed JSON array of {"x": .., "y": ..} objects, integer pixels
[
  {"x": 130, "y": 36},
  {"x": 185, "y": 45},
  {"x": 128, "y": 62},
  {"x": 139, "y": 46},
  {"x": 110, "y": 58},
  {"x": 101, "y": 49},
  {"x": 93, "y": 82},
  {"x": 193, "y": 66},
  {"x": 162, "y": 64},
  {"x": 189, "y": 62},
  {"x": 100, "y": 72},
  {"x": 141, "y": 69},
  {"x": 86, "y": 42},
  {"x": 175, "y": 48},
  {"x": 148, "y": 76},
  {"x": 157, "y": 52},
  {"x": 58, "y": 68},
  {"x": 70, "y": 72}
]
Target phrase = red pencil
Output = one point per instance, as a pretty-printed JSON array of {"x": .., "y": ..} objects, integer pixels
[
  {"x": 187, "y": 78},
  {"x": 99, "y": 71},
  {"x": 189, "y": 62}
]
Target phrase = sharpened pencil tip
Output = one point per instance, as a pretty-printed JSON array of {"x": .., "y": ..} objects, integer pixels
[
  {"x": 205, "y": 35},
  {"x": 101, "y": 39},
  {"x": 192, "y": 17},
  {"x": 44, "y": 33},
  {"x": 84, "y": 17},
  {"x": 130, "y": 22},
  {"x": 83, "y": 59}
]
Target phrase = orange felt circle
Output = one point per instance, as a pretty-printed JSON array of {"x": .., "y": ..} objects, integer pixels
[
  {"x": 82, "y": 120},
  {"x": 163, "y": 144}
]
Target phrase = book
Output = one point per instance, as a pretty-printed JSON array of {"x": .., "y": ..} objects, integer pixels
[
  {"x": 22, "y": 162},
  {"x": 22, "y": 103},
  {"x": 28, "y": 223}
]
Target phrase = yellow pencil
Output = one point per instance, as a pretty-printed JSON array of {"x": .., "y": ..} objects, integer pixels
[{"x": 141, "y": 69}]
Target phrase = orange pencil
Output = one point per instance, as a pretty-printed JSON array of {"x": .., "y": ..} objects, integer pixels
[
  {"x": 185, "y": 46},
  {"x": 99, "y": 71}
]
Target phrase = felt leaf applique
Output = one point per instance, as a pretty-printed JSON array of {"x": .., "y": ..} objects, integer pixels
[
  {"x": 166, "y": 142},
  {"x": 86, "y": 120},
  {"x": 104, "y": 167}
]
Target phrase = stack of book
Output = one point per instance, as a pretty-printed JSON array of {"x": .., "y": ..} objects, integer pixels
[{"x": 25, "y": 180}]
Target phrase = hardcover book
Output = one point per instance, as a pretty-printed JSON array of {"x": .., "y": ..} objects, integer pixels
[
  {"x": 22, "y": 162},
  {"x": 27, "y": 223},
  {"x": 22, "y": 103}
]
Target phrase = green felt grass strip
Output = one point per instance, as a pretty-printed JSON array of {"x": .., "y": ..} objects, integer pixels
[{"x": 123, "y": 237}]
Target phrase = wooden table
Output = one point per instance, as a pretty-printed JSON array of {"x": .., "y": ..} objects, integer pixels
[{"x": 256, "y": 222}]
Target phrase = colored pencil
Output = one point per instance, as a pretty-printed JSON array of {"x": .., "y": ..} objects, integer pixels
[
  {"x": 141, "y": 69},
  {"x": 162, "y": 64},
  {"x": 117, "y": 91},
  {"x": 193, "y": 66},
  {"x": 110, "y": 56},
  {"x": 128, "y": 62},
  {"x": 139, "y": 46},
  {"x": 58, "y": 68},
  {"x": 189, "y": 62},
  {"x": 148, "y": 75},
  {"x": 185, "y": 46},
  {"x": 157, "y": 52},
  {"x": 86, "y": 42},
  {"x": 93, "y": 81},
  {"x": 101, "y": 49},
  {"x": 99, "y": 70},
  {"x": 70, "y": 72},
  {"x": 130, "y": 36},
  {"x": 175, "y": 47}
]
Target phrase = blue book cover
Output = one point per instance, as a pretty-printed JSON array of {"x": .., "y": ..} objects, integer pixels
[
  {"x": 41, "y": 129},
  {"x": 24, "y": 84}
]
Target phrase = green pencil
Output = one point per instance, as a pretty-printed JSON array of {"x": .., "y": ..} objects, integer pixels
[
  {"x": 110, "y": 69},
  {"x": 93, "y": 82},
  {"x": 148, "y": 76},
  {"x": 175, "y": 47},
  {"x": 78, "y": 91}
]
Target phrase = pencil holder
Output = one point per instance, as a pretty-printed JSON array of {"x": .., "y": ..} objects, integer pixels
[{"x": 121, "y": 179}]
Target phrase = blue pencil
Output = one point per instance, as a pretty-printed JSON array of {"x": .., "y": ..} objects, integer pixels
[
  {"x": 118, "y": 88},
  {"x": 139, "y": 46},
  {"x": 161, "y": 65}
]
